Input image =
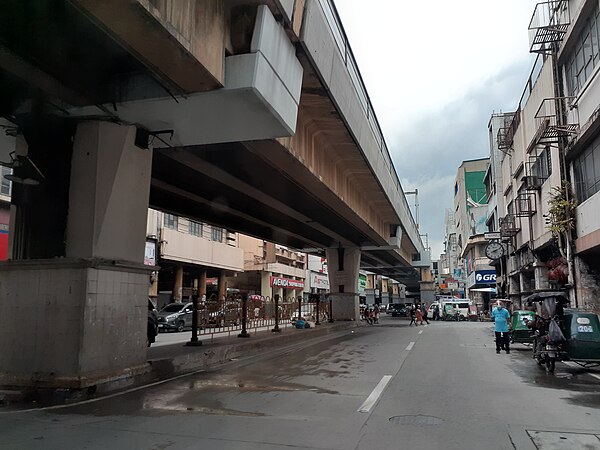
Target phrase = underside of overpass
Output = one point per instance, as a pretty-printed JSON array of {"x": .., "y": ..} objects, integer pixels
[
  {"x": 246, "y": 188},
  {"x": 217, "y": 110},
  {"x": 314, "y": 189}
]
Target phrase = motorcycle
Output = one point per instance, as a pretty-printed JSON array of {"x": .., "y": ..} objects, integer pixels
[
  {"x": 544, "y": 352},
  {"x": 547, "y": 351}
]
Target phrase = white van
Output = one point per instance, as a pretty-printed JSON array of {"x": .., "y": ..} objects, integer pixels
[
  {"x": 431, "y": 309},
  {"x": 449, "y": 308}
]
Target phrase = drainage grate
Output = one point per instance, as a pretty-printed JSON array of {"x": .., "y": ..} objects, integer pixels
[{"x": 418, "y": 420}]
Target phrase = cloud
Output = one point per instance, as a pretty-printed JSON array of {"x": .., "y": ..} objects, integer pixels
[
  {"x": 435, "y": 72},
  {"x": 427, "y": 155}
]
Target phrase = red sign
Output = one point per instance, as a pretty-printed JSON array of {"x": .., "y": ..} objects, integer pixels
[
  {"x": 3, "y": 246},
  {"x": 287, "y": 283}
]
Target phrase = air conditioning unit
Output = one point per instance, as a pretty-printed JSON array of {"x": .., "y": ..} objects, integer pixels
[{"x": 532, "y": 182}]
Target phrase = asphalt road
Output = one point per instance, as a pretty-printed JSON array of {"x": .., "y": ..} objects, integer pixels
[{"x": 386, "y": 386}]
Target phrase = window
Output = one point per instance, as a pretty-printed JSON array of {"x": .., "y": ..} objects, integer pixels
[
  {"x": 542, "y": 167},
  {"x": 585, "y": 56},
  {"x": 217, "y": 234},
  {"x": 4, "y": 183},
  {"x": 195, "y": 228},
  {"x": 587, "y": 172},
  {"x": 171, "y": 221}
]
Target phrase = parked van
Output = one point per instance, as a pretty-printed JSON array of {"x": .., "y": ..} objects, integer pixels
[{"x": 449, "y": 308}]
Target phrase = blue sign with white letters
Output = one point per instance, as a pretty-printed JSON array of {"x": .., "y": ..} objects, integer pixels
[{"x": 485, "y": 277}]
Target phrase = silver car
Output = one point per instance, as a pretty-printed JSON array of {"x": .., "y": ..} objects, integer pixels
[{"x": 175, "y": 316}]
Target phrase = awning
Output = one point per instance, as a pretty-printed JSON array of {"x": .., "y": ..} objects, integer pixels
[{"x": 487, "y": 289}]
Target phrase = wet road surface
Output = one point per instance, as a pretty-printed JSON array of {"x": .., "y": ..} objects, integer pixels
[{"x": 441, "y": 386}]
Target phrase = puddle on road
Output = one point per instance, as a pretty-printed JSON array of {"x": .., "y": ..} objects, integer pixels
[
  {"x": 212, "y": 392},
  {"x": 579, "y": 388}
]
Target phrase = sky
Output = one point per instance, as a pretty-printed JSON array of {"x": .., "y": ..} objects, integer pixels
[{"x": 435, "y": 71}]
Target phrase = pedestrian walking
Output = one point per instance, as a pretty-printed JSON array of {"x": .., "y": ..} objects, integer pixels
[
  {"x": 365, "y": 315},
  {"x": 412, "y": 316},
  {"x": 501, "y": 316},
  {"x": 376, "y": 314},
  {"x": 425, "y": 318},
  {"x": 419, "y": 315},
  {"x": 436, "y": 313}
]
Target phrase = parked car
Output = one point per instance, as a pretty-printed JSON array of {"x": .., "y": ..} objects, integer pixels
[
  {"x": 175, "y": 316},
  {"x": 152, "y": 329},
  {"x": 228, "y": 314},
  {"x": 399, "y": 310}
]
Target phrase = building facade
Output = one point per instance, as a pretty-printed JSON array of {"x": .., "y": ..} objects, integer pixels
[
  {"x": 451, "y": 275},
  {"x": 551, "y": 149},
  {"x": 470, "y": 212},
  {"x": 271, "y": 269},
  {"x": 190, "y": 255}
]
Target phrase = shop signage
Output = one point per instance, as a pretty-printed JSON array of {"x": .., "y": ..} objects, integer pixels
[
  {"x": 318, "y": 281},
  {"x": 150, "y": 253},
  {"x": 485, "y": 276},
  {"x": 362, "y": 283},
  {"x": 479, "y": 277},
  {"x": 492, "y": 236},
  {"x": 287, "y": 283}
]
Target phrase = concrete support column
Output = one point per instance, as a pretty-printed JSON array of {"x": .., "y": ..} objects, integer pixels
[
  {"x": 343, "y": 265},
  {"x": 89, "y": 307},
  {"x": 222, "y": 285},
  {"x": 265, "y": 285},
  {"x": 541, "y": 278},
  {"x": 202, "y": 285},
  {"x": 178, "y": 284}
]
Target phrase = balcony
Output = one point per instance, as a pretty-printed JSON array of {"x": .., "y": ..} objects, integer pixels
[
  {"x": 548, "y": 25},
  {"x": 537, "y": 171},
  {"x": 549, "y": 127},
  {"x": 525, "y": 204},
  {"x": 509, "y": 226},
  {"x": 506, "y": 133}
]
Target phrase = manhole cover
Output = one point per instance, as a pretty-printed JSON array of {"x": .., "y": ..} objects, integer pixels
[{"x": 419, "y": 420}]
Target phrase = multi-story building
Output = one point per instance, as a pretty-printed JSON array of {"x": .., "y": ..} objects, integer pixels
[
  {"x": 494, "y": 183},
  {"x": 552, "y": 145},
  {"x": 271, "y": 269},
  {"x": 191, "y": 255},
  {"x": 578, "y": 58},
  {"x": 449, "y": 260},
  {"x": 493, "y": 178},
  {"x": 470, "y": 212}
]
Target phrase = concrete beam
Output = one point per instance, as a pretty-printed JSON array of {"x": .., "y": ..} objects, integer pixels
[
  {"x": 259, "y": 101},
  {"x": 182, "y": 42},
  {"x": 38, "y": 79}
]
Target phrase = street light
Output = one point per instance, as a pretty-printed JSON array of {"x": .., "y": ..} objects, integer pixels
[{"x": 416, "y": 194}]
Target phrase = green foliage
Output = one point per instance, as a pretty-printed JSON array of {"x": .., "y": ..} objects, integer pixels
[{"x": 561, "y": 214}]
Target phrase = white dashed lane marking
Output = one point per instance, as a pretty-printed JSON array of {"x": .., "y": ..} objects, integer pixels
[{"x": 374, "y": 396}]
